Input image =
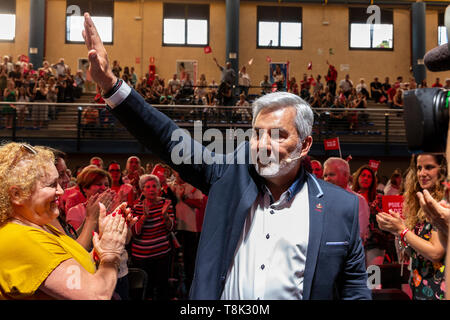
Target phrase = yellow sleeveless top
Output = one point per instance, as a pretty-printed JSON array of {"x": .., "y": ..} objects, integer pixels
[{"x": 28, "y": 255}]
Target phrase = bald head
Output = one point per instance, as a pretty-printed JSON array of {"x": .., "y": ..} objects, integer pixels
[{"x": 336, "y": 171}]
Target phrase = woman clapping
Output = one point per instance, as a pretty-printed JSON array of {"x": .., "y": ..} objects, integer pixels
[{"x": 38, "y": 261}]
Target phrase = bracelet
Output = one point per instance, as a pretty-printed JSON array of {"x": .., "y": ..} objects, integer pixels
[
  {"x": 113, "y": 89},
  {"x": 402, "y": 237}
]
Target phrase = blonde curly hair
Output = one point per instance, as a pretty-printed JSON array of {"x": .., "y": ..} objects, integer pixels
[
  {"x": 411, "y": 206},
  {"x": 21, "y": 166}
]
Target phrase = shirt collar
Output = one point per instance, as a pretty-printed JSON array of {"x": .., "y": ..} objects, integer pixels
[{"x": 290, "y": 193}]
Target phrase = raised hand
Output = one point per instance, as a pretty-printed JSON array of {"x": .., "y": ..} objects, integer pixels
[
  {"x": 437, "y": 212},
  {"x": 99, "y": 66},
  {"x": 110, "y": 245}
]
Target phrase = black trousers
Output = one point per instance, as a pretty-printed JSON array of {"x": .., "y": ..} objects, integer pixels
[
  {"x": 158, "y": 276},
  {"x": 189, "y": 243}
]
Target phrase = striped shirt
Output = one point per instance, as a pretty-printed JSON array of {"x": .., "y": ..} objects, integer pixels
[{"x": 153, "y": 240}]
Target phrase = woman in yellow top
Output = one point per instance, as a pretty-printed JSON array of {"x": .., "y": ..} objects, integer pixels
[{"x": 38, "y": 261}]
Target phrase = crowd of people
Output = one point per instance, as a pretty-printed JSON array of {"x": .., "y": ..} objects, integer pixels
[
  {"x": 103, "y": 219},
  {"x": 21, "y": 82},
  {"x": 165, "y": 216}
]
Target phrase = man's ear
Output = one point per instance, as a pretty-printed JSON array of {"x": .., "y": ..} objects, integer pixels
[
  {"x": 15, "y": 194},
  {"x": 306, "y": 145}
]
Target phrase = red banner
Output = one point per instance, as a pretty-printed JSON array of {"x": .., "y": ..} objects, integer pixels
[
  {"x": 332, "y": 144},
  {"x": 374, "y": 164},
  {"x": 394, "y": 203}
]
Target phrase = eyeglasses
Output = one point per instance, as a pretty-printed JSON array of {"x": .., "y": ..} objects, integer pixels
[{"x": 25, "y": 147}]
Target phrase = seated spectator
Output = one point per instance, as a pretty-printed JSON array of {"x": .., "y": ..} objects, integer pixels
[
  {"x": 318, "y": 86},
  {"x": 266, "y": 86},
  {"x": 39, "y": 113},
  {"x": 412, "y": 84},
  {"x": 362, "y": 87},
  {"x": 37, "y": 258},
  {"x": 166, "y": 97},
  {"x": 316, "y": 102},
  {"x": 8, "y": 110},
  {"x": 79, "y": 84},
  {"x": 90, "y": 118},
  {"x": 3, "y": 79},
  {"x": 346, "y": 85},
  {"x": 375, "y": 90},
  {"x": 338, "y": 116},
  {"x": 187, "y": 85},
  {"x": 52, "y": 97},
  {"x": 243, "y": 114},
  {"x": 437, "y": 84},
  {"x": 16, "y": 75},
  {"x": 293, "y": 86},
  {"x": 397, "y": 100},
  {"x": 385, "y": 87},
  {"x": 22, "y": 109},
  {"x": 305, "y": 86},
  {"x": 201, "y": 89},
  {"x": 447, "y": 83},
  {"x": 174, "y": 84}
]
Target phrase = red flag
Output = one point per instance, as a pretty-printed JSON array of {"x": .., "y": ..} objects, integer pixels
[
  {"x": 268, "y": 59},
  {"x": 394, "y": 203},
  {"x": 24, "y": 58},
  {"x": 332, "y": 144},
  {"x": 374, "y": 164},
  {"x": 310, "y": 65},
  {"x": 207, "y": 49}
]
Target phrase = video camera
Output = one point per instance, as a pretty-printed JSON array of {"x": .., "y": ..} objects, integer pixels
[{"x": 426, "y": 109}]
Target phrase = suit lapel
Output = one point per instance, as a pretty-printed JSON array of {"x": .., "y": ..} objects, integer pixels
[{"x": 316, "y": 214}]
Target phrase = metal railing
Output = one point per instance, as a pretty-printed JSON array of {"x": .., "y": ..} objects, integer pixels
[{"x": 73, "y": 121}]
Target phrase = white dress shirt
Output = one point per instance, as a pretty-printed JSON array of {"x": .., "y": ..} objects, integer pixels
[{"x": 270, "y": 260}]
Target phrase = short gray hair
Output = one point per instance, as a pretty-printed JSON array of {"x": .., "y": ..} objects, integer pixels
[
  {"x": 148, "y": 177},
  {"x": 303, "y": 120},
  {"x": 342, "y": 165}
]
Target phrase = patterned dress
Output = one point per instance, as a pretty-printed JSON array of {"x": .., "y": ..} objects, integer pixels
[{"x": 427, "y": 278}]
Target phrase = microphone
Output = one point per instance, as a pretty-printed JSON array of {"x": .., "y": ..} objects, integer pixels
[
  {"x": 289, "y": 160},
  {"x": 438, "y": 59}
]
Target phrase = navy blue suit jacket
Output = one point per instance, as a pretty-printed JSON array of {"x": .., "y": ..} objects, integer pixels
[{"x": 335, "y": 266}]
